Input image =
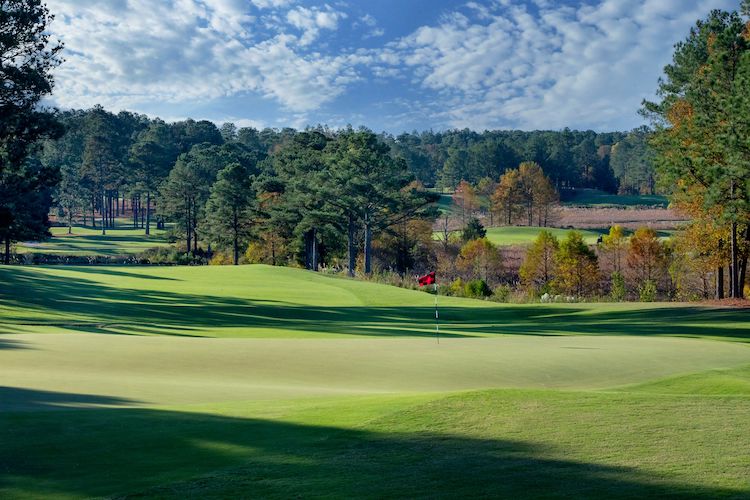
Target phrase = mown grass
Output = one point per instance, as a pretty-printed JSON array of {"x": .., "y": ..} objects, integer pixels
[
  {"x": 86, "y": 241},
  {"x": 266, "y": 382},
  {"x": 600, "y": 199},
  {"x": 525, "y": 235}
]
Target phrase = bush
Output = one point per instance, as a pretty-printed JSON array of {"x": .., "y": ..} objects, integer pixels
[
  {"x": 502, "y": 293},
  {"x": 456, "y": 288},
  {"x": 171, "y": 256},
  {"x": 221, "y": 259},
  {"x": 477, "y": 289},
  {"x": 618, "y": 287},
  {"x": 647, "y": 291}
]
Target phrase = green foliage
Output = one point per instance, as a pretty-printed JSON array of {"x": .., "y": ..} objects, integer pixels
[
  {"x": 647, "y": 291},
  {"x": 474, "y": 230},
  {"x": 633, "y": 163},
  {"x": 577, "y": 272},
  {"x": 617, "y": 287},
  {"x": 477, "y": 289},
  {"x": 229, "y": 209},
  {"x": 538, "y": 268}
]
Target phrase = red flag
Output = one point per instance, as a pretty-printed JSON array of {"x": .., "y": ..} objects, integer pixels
[{"x": 428, "y": 279}]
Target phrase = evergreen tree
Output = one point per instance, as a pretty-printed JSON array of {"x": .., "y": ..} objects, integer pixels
[{"x": 229, "y": 209}]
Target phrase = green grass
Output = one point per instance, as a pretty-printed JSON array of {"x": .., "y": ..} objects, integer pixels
[
  {"x": 86, "y": 241},
  {"x": 267, "y": 382},
  {"x": 524, "y": 235},
  {"x": 596, "y": 198}
]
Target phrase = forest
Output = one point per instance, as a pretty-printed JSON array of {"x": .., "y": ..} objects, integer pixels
[{"x": 355, "y": 200}]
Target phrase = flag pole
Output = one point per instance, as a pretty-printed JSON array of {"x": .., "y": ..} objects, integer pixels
[{"x": 437, "y": 317}]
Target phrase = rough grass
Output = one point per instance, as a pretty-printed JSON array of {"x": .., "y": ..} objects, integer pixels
[
  {"x": 90, "y": 242},
  {"x": 266, "y": 382}
]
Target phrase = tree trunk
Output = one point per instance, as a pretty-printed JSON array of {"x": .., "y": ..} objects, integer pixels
[
  {"x": 743, "y": 263},
  {"x": 104, "y": 215},
  {"x": 188, "y": 228},
  {"x": 148, "y": 213},
  {"x": 236, "y": 239},
  {"x": 734, "y": 284},
  {"x": 350, "y": 242},
  {"x": 6, "y": 259},
  {"x": 720, "y": 283},
  {"x": 315, "y": 250},
  {"x": 368, "y": 245}
]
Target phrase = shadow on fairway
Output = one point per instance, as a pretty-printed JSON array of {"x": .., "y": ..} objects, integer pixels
[
  {"x": 105, "y": 309},
  {"x": 14, "y": 398},
  {"x": 7, "y": 344},
  {"x": 93, "y": 452}
]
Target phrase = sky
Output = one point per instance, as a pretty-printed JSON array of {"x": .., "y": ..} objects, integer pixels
[{"x": 390, "y": 65}]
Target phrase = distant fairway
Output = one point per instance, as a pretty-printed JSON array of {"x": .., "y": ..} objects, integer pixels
[
  {"x": 259, "y": 381},
  {"x": 524, "y": 235},
  {"x": 90, "y": 242}
]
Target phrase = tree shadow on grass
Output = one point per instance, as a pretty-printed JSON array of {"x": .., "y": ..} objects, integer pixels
[
  {"x": 80, "y": 304},
  {"x": 94, "y": 452}
]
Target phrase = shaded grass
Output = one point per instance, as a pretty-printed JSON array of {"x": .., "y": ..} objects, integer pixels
[
  {"x": 86, "y": 241},
  {"x": 523, "y": 444},
  {"x": 596, "y": 198}
]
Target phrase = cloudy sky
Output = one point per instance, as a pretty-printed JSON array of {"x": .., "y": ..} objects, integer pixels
[{"x": 391, "y": 65}]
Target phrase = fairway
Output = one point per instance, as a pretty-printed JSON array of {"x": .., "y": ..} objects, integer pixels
[
  {"x": 170, "y": 382},
  {"x": 524, "y": 235},
  {"x": 87, "y": 241}
]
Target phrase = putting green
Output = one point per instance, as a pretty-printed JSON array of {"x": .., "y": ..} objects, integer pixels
[{"x": 148, "y": 371}]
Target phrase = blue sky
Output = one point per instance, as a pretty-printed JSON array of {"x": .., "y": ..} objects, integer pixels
[{"x": 393, "y": 65}]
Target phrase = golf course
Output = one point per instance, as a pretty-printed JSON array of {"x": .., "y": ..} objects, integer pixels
[{"x": 203, "y": 382}]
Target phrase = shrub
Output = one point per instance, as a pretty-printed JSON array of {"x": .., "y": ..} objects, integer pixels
[
  {"x": 502, "y": 293},
  {"x": 618, "y": 287},
  {"x": 647, "y": 291},
  {"x": 477, "y": 289}
]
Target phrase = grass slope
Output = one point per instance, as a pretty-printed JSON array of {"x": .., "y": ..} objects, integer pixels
[
  {"x": 267, "y": 382},
  {"x": 90, "y": 242}
]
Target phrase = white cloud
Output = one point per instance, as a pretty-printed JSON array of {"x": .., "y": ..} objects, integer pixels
[
  {"x": 484, "y": 64},
  {"x": 505, "y": 65},
  {"x": 127, "y": 53},
  {"x": 311, "y": 21}
]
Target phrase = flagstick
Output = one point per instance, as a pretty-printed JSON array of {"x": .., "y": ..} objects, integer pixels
[{"x": 437, "y": 318}]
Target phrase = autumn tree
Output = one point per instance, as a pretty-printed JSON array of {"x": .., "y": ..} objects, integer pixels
[
  {"x": 480, "y": 259},
  {"x": 614, "y": 247},
  {"x": 538, "y": 268},
  {"x": 647, "y": 257},
  {"x": 576, "y": 269},
  {"x": 537, "y": 192},
  {"x": 508, "y": 197},
  {"x": 486, "y": 188},
  {"x": 703, "y": 120},
  {"x": 465, "y": 198}
]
